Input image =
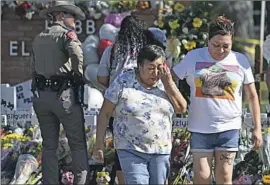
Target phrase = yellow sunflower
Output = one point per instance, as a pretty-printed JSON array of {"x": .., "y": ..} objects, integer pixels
[
  {"x": 174, "y": 24},
  {"x": 190, "y": 45},
  {"x": 179, "y": 7},
  {"x": 169, "y": 2},
  {"x": 266, "y": 179},
  {"x": 197, "y": 22},
  {"x": 112, "y": 3},
  {"x": 160, "y": 24},
  {"x": 266, "y": 130}
]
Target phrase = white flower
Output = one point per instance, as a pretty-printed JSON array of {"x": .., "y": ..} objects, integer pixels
[
  {"x": 185, "y": 30},
  {"x": 177, "y": 141},
  {"x": 91, "y": 10},
  {"x": 105, "y": 11},
  {"x": 204, "y": 36},
  {"x": 190, "y": 36},
  {"x": 98, "y": 5},
  {"x": 184, "y": 41},
  {"x": 156, "y": 23},
  {"x": 29, "y": 15},
  {"x": 176, "y": 42},
  {"x": 165, "y": 31},
  {"x": 97, "y": 15},
  {"x": 104, "y": 4}
]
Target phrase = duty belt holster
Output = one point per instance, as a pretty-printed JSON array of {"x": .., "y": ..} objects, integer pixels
[
  {"x": 59, "y": 83},
  {"x": 78, "y": 87},
  {"x": 55, "y": 83}
]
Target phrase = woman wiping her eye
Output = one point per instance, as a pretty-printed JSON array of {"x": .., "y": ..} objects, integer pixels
[{"x": 144, "y": 101}]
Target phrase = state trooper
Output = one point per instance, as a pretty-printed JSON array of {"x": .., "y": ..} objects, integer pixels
[{"x": 57, "y": 70}]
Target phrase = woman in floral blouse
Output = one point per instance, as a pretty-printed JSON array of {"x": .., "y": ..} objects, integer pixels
[{"x": 144, "y": 101}]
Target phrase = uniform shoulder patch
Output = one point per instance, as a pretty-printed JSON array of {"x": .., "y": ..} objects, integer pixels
[{"x": 71, "y": 35}]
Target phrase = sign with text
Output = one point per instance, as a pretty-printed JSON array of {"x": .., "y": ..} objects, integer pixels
[
  {"x": 3, "y": 120},
  {"x": 24, "y": 95},
  {"x": 18, "y": 48},
  {"x": 18, "y": 118},
  {"x": 88, "y": 26},
  {"x": 180, "y": 122},
  {"x": 8, "y": 98}
]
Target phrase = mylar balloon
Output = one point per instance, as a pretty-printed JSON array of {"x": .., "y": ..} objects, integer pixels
[
  {"x": 94, "y": 98},
  {"x": 90, "y": 50},
  {"x": 90, "y": 74},
  {"x": 91, "y": 39},
  {"x": 108, "y": 31},
  {"x": 103, "y": 44},
  {"x": 115, "y": 19}
]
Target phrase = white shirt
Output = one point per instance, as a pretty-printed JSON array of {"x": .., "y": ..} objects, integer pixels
[{"x": 216, "y": 89}]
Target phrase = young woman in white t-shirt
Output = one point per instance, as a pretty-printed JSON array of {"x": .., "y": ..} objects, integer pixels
[{"x": 216, "y": 76}]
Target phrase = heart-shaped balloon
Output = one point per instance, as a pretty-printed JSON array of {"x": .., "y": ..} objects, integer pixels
[
  {"x": 115, "y": 19},
  {"x": 108, "y": 31},
  {"x": 103, "y": 44}
]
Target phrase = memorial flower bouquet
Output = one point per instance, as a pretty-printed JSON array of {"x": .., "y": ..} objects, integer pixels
[
  {"x": 249, "y": 170},
  {"x": 180, "y": 157},
  {"x": 185, "y": 25},
  {"x": 22, "y": 142}
]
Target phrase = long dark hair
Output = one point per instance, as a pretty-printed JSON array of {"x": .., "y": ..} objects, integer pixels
[{"x": 130, "y": 39}]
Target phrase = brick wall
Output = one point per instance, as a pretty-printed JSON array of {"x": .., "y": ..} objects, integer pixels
[{"x": 16, "y": 69}]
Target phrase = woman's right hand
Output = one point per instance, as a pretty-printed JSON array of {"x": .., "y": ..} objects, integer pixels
[{"x": 98, "y": 156}]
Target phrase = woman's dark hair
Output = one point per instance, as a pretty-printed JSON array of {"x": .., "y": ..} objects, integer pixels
[
  {"x": 130, "y": 38},
  {"x": 221, "y": 26},
  {"x": 150, "y": 53}
]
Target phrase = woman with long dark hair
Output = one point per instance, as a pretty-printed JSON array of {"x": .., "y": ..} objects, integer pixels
[
  {"x": 122, "y": 54},
  {"x": 120, "y": 57}
]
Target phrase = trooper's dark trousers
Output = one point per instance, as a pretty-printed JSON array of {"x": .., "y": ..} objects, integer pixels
[{"x": 51, "y": 111}]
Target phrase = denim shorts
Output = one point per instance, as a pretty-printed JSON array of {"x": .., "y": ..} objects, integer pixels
[
  {"x": 143, "y": 168},
  {"x": 222, "y": 141}
]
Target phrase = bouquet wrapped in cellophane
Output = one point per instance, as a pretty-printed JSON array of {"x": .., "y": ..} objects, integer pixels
[{"x": 181, "y": 163}]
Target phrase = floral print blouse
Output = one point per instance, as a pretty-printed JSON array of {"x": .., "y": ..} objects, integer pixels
[{"x": 143, "y": 117}]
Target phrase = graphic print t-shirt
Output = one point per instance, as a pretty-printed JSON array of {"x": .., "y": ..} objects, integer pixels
[{"x": 216, "y": 89}]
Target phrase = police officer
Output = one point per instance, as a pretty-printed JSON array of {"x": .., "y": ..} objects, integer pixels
[{"x": 56, "y": 55}]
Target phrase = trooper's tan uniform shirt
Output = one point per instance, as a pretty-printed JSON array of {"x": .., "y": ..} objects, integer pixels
[
  {"x": 56, "y": 51},
  {"x": 55, "y": 48}
]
